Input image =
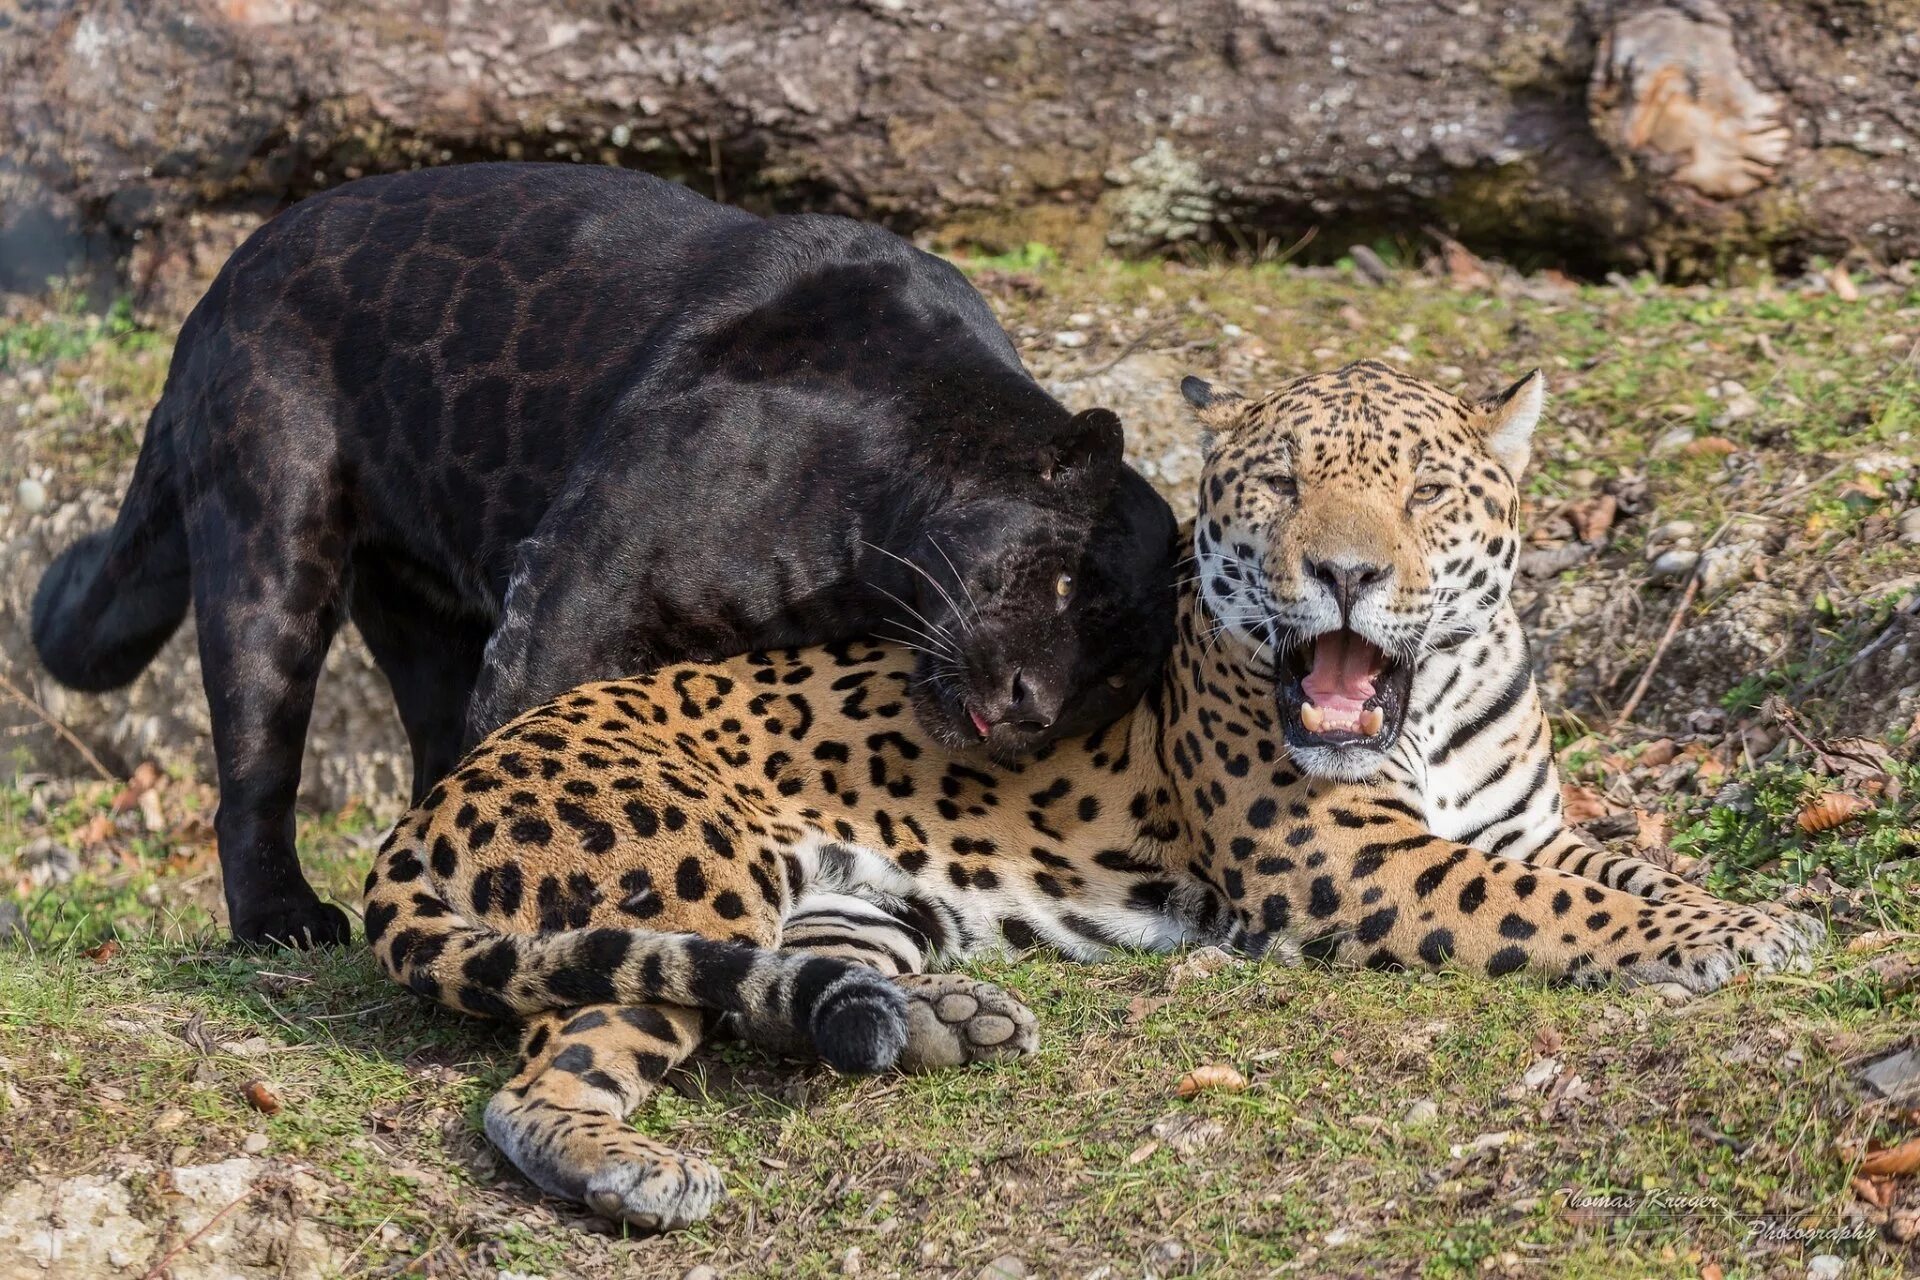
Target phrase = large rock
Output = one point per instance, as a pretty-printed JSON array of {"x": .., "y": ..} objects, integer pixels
[{"x": 1603, "y": 131}]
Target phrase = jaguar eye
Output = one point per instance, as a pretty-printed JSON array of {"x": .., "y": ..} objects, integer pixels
[
  {"x": 1429, "y": 492},
  {"x": 1286, "y": 486},
  {"x": 1063, "y": 585}
]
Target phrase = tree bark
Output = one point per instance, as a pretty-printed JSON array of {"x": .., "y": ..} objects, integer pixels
[{"x": 1130, "y": 124}]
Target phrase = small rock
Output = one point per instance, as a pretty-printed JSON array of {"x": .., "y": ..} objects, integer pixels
[
  {"x": 1080, "y": 319},
  {"x": 1673, "y": 531},
  {"x": 1422, "y": 1113},
  {"x": 1541, "y": 1073},
  {"x": 1825, "y": 1266},
  {"x": 1737, "y": 408},
  {"x": 33, "y": 496},
  {"x": 1369, "y": 266},
  {"x": 1722, "y": 567},
  {"x": 1485, "y": 1142},
  {"x": 850, "y": 1262},
  {"x": 1675, "y": 564},
  {"x": 1672, "y": 439},
  {"x": 1671, "y": 992},
  {"x": 1005, "y": 1267},
  {"x": 254, "y": 1143},
  {"x": 1166, "y": 1254},
  {"x": 1909, "y": 525},
  {"x": 47, "y": 862},
  {"x": 169, "y": 1120},
  {"x": 1897, "y": 1076}
]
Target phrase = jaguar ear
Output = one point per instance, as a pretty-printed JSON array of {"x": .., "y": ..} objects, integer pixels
[
  {"x": 1217, "y": 408},
  {"x": 1093, "y": 439},
  {"x": 1508, "y": 419}
]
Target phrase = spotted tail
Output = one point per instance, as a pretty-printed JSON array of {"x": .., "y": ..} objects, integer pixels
[{"x": 854, "y": 1017}]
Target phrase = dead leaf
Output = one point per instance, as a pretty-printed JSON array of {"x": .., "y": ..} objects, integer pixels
[
  {"x": 1463, "y": 267},
  {"x": 1546, "y": 1043},
  {"x": 104, "y": 952},
  {"x": 1709, "y": 447},
  {"x": 145, "y": 778},
  {"x": 1898, "y": 975},
  {"x": 99, "y": 830},
  {"x": 1829, "y": 811},
  {"x": 1216, "y": 1076},
  {"x": 1143, "y": 1152},
  {"x": 196, "y": 1034},
  {"x": 1711, "y": 1271},
  {"x": 1876, "y": 1193},
  {"x": 1582, "y": 804},
  {"x": 1842, "y": 281},
  {"x": 1650, "y": 830},
  {"x": 1874, "y": 940},
  {"x": 152, "y": 816},
  {"x": 1140, "y": 1008},
  {"x": 1658, "y": 752},
  {"x": 261, "y": 1097},
  {"x": 1593, "y": 517},
  {"x": 1202, "y": 963}
]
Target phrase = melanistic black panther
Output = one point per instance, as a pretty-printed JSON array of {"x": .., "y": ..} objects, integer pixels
[{"x": 531, "y": 425}]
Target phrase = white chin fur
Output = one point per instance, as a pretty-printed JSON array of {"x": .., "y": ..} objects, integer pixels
[{"x": 1339, "y": 764}]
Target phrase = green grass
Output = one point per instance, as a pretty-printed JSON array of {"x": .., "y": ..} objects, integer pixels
[{"x": 1083, "y": 1156}]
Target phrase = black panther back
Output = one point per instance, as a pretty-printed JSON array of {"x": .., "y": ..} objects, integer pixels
[{"x": 531, "y": 425}]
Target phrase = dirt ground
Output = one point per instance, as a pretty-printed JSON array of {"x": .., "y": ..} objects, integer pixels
[{"x": 1730, "y": 468}]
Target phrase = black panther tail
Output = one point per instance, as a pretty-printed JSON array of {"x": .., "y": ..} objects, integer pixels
[{"x": 109, "y": 601}]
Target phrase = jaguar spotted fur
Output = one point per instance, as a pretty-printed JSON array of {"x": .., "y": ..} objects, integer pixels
[{"x": 1345, "y": 755}]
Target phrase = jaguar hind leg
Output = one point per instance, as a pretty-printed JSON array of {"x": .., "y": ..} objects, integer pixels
[
  {"x": 562, "y": 1118},
  {"x": 951, "y": 1019}
]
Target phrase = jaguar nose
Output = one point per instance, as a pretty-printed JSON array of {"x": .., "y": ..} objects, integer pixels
[{"x": 1348, "y": 580}]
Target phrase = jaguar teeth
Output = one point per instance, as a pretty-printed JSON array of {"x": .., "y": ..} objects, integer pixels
[
  {"x": 1312, "y": 719},
  {"x": 1371, "y": 719}
]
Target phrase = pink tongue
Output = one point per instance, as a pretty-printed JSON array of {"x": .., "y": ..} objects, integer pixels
[
  {"x": 1343, "y": 669},
  {"x": 980, "y": 723}
]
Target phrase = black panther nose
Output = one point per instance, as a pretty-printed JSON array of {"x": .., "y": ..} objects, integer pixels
[
  {"x": 1348, "y": 581},
  {"x": 1024, "y": 708}
]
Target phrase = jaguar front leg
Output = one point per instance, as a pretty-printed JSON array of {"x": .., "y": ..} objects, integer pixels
[
  {"x": 1372, "y": 887},
  {"x": 951, "y": 1019},
  {"x": 562, "y": 1118},
  {"x": 1567, "y": 852}
]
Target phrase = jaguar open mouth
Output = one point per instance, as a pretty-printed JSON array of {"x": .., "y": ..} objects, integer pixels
[{"x": 1340, "y": 690}]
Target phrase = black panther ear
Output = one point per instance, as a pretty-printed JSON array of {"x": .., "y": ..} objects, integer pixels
[{"x": 1093, "y": 438}]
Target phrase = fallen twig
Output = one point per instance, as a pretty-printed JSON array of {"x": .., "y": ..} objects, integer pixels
[
  {"x": 1139, "y": 339},
  {"x": 47, "y": 718},
  {"x": 193, "y": 1239},
  {"x": 1673, "y": 629}
]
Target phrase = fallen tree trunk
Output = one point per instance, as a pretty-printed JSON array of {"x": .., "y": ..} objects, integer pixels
[{"x": 1595, "y": 132}]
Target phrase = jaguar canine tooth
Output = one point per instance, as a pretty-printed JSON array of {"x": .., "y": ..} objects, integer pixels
[
  {"x": 1371, "y": 719},
  {"x": 1312, "y": 719}
]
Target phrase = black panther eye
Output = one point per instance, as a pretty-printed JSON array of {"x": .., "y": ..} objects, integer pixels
[
  {"x": 1063, "y": 586},
  {"x": 1427, "y": 493},
  {"x": 1116, "y": 682}
]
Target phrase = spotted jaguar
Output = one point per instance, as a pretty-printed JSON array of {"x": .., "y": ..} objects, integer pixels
[{"x": 1344, "y": 757}]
